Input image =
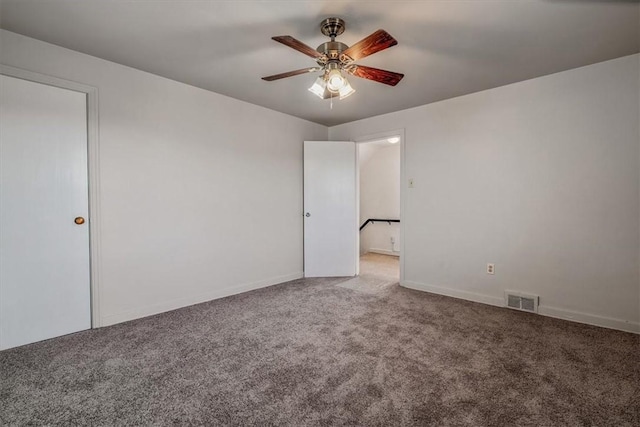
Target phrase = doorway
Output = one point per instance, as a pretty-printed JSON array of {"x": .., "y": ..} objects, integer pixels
[
  {"x": 379, "y": 200},
  {"x": 332, "y": 221}
]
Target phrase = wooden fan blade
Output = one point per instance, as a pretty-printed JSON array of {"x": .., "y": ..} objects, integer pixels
[
  {"x": 381, "y": 76},
  {"x": 291, "y": 73},
  {"x": 376, "y": 42},
  {"x": 298, "y": 45}
]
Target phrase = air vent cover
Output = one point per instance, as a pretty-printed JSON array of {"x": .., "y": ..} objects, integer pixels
[
  {"x": 520, "y": 301},
  {"x": 513, "y": 301}
]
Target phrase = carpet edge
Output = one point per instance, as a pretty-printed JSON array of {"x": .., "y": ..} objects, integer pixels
[
  {"x": 543, "y": 310},
  {"x": 174, "y": 304}
]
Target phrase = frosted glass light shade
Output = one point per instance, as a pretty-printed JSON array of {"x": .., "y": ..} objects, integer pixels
[
  {"x": 318, "y": 87},
  {"x": 346, "y": 90},
  {"x": 335, "y": 81}
]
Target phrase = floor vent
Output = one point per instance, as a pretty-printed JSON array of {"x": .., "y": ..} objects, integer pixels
[{"x": 520, "y": 301}]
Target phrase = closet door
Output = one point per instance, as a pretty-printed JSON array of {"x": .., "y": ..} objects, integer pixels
[{"x": 44, "y": 230}]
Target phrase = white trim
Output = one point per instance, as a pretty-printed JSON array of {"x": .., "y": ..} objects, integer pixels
[
  {"x": 383, "y": 252},
  {"x": 93, "y": 162},
  {"x": 356, "y": 233},
  {"x": 403, "y": 203},
  {"x": 558, "y": 313},
  {"x": 403, "y": 194},
  {"x": 589, "y": 319},
  {"x": 455, "y": 293},
  {"x": 177, "y": 303}
]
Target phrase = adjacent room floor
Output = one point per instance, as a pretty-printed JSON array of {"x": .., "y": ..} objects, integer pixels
[
  {"x": 378, "y": 274},
  {"x": 329, "y": 352}
]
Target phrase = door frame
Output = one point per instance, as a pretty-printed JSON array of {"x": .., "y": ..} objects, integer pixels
[
  {"x": 93, "y": 175},
  {"x": 403, "y": 191}
]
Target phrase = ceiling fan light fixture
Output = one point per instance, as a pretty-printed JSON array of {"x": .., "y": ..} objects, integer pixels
[{"x": 318, "y": 88}]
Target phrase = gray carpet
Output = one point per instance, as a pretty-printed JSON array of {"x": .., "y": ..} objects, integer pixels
[{"x": 311, "y": 353}]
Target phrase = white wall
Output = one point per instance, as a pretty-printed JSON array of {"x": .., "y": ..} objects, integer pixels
[
  {"x": 539, "y": 177},
  {"x": 201, "y": 194},
  {"x": 379, "y": 196}
]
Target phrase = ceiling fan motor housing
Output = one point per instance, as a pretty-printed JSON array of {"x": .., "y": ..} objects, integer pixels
[
  {"x": 332, "y": 49},
  {"x": 332, "y": 27}
]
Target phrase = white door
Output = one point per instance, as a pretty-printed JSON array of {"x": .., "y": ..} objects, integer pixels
[
  {"x": 44, "y": 254},
  {"x": 330, "y": 209}
]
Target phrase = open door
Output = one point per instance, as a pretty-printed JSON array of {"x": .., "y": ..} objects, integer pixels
[{"x": 330, "y": 209}]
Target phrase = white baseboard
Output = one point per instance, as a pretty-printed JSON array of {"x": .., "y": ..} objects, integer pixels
[
  {"x": 383, "y": 252},
  {"x": 558, "y": 313},
  {"x": 456, "y": 293},
  {"x": 196, "y": 299},
  {"x": 589, "y": 319}
]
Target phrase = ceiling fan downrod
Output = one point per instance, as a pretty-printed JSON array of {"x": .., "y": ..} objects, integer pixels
[
  {"x": 332, "y": 27},
  {"x": 331, "y": 50}
]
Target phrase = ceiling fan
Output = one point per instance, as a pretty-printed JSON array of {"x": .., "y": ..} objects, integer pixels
[{"x": 334, "y": 58}]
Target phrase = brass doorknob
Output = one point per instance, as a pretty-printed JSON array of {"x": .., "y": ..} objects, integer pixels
[{"x": 79, "y": 220}]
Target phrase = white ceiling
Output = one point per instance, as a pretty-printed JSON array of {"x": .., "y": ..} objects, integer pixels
[{"x": 446, "y": 48}]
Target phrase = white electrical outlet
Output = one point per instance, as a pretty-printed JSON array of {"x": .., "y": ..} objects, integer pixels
[
  {"x": 491, "y": 268},
  {"x": 393, "y": 240}
]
